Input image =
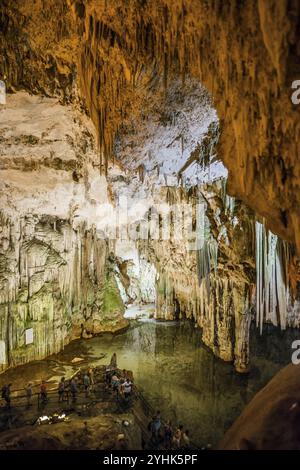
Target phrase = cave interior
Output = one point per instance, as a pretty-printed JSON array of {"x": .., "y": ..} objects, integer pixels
[{"x": 149, "y": 170}]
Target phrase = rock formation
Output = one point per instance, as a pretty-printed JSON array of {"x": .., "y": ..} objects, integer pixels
[
  {"x": 118, "y": 109},
  {"x": 57, "y": 280},
  {"x": 270, "y": 420}
]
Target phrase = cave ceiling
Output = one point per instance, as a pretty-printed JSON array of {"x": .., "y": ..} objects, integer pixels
[{"x": 115, "y": 60}]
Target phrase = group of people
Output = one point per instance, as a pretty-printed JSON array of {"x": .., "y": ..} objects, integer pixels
[
  {"x": 164, "y": 435},
  {"x": 65, "y": 389},
  {"x": 6, "y": 394},
  {"x": 120, "y": 384},
  {"x": 161, "y": 434},
  {"x": 167, "y": 436}
]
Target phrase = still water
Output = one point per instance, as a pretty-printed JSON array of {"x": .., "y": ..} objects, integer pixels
[
  {"x": 182, "y": 378},
  {"x": 177, "y": 373}
]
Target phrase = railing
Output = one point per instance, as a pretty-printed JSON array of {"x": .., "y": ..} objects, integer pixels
[
  {"x": 137, "y": 393},
  {"x": 53, "y": 391},
  {"x": 151, "y": 412}
]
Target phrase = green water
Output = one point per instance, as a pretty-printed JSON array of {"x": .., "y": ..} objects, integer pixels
[
  {"x": 178, "y": 374},
  {"x": 182, "y": 378}
]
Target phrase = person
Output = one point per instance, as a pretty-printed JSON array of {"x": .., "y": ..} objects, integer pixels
[
  {"x": 177, "y": 437},
  {"x": 168, "y": 434},
  {"x": 121, "y": 388},
  {"x": 151, "y": 428},
  {"x": 115, "y": 382},
  {"x": 73, "y": 389},
  {"x": 157, "y": 425},
  {"x": 86, "y": 383},
  {"x": 91, "y": 376},
  {"x": 28, "y": 390},
  {"x": 6, "y": 394},
  {"x": 66, "y": 391},
  {"x": 43, "y": 392},
  {"x": 185, "y": 444},
  {"x": 127, "y": 389},
  {"x": 113, "y": 361},
  {"x": 61, "y": 390},
  {"x": 108, "y": 375}
]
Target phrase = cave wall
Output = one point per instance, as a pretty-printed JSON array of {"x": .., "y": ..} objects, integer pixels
[
  {"x": 243, "y": 271},
  {"x": 54, "y": 280},
  {"x": 136, "y": 276},
  {"x": 213, "y": 286},
  {"x": 57, "y": 274},
  {"x": 237, "y": 275}
]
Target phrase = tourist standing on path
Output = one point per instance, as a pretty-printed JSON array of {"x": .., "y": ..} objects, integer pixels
[
  {"x": 152, "y": 428},
  {"x": 115, "y": 382},
  {"x": 61, "y": 390},
  {"x": 177, "y": 437},
  {"x": 87, "y": 384},
  {"x": 91, "y": 376},
  {"x": 74, "y": 390},
  {"x": 168, "y": 434},
  {"x": 43, "y": 392},
  {"x": 28, "y": 390},
  {"x": 6, "y": 394},
  {"x": 127, "y": 389},
  {"x": 185, "y": 441},
  {"x": 157, "y": 425}
]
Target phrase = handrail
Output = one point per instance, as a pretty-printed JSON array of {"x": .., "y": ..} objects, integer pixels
[
  {"x": 152, "y": 410},
  {"x": 50, "y": 390},
  {"x": 136, "y": 392}
]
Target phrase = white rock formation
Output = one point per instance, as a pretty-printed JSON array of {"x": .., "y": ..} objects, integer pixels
[{"x": 55, "y": 274}]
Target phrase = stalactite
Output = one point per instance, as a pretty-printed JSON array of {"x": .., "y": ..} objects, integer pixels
[
  {"x": 273, "y": 297},
  {"x": 207, "y": 259},
  {"x": 207, "y": 255},
  {"x": 208, "y": 145},
  {"x": 154, "y": 42},
  {"x": 208, "y": 284},
  {"x": 52, "y": 281}
]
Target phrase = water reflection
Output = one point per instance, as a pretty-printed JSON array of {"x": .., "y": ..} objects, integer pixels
[
  {"x": 183, "y": 379},
  {"x": 177, "y": 373}
]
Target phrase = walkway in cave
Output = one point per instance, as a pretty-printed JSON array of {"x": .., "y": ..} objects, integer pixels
[
  {"x": 38, "y": 413},
  {"x": 52, "y": 412}
]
